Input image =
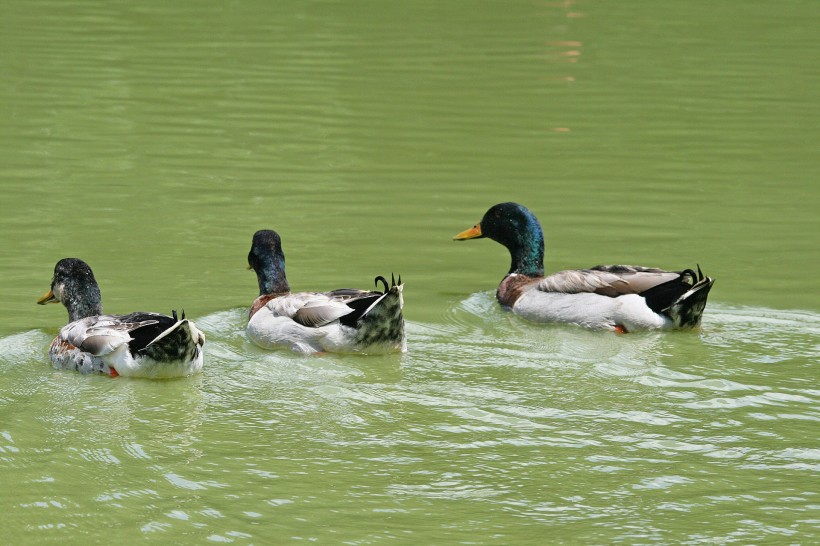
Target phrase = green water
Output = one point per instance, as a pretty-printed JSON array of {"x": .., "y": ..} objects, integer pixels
[{"x": 152, "y": 139}]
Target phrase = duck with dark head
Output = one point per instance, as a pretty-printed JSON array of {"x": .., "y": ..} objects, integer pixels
[
  {"x": 139, "y": 344},
  {"x": 345, "y": 320},
  {"x": 622, "y": 298}
]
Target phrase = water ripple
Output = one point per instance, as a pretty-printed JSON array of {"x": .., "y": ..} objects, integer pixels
[{"x": 481, "y": 408}]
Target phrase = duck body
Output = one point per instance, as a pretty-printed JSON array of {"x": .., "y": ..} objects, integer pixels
[
  {"x": 139, "y": 344},
  {"x": 346, "y": 320},
  {"x": 135, "y": 345},
  {"x": 340, "y": 321},
  {"x": 623, "y": 298}
]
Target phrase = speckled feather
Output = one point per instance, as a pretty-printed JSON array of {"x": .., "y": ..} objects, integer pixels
[
  {"x": 100, "y": 344},
  {"x": 139, "y": 344}
]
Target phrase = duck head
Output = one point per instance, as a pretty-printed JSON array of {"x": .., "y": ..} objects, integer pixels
[
  {"x": 268, "y": 260},
  {"x": 515, "y": 227},
  {"x": 75, "y": 287}
]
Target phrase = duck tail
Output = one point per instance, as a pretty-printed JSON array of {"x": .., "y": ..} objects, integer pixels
[
  {"x": 391, "y": 297},
  {"x": 381, "y": 325},
  {"x": 180, "y": 341},
  {"x": 687, "y": 310}
]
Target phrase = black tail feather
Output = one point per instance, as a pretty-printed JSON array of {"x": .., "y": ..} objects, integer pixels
[
  {"x": 178, "y": 344},
  {"x": 362, "y": 305},
  {"x": 660, "y": 297},
  {"x": 686, "y": 310}
]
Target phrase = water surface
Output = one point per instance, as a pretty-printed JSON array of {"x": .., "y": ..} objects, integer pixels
[{"x": 152, "y": 140}]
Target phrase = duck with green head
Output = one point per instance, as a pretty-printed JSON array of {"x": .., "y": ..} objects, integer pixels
[{"x": 622, "y": 298}]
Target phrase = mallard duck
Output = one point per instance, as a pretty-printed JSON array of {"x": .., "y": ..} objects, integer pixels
[
  {"x": 614, "y": 297},
  {"x": 346, "y": 320},
  {"x": 136, "y": 345}
]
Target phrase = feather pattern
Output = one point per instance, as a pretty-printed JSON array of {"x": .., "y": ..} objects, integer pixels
[
  {"x": 314, "y": 309},
  {"x": 606, "y": 280},
  {"x": 343, "y": 320},
  {"x": 139, "y": 344},
  {"x": 619, "y": 297}
]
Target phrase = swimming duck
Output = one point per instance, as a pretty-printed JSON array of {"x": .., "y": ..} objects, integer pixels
[
  {"x": 136, "y": 345},
  {"x": 346, "y": 320},
  {"x": 613, "y": 297}
]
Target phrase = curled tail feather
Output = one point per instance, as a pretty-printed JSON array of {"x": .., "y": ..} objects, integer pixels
[{"x": 687, "y": 310}]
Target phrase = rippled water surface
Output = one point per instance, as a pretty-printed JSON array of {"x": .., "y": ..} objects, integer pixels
[{"x": 152, "y": 139}]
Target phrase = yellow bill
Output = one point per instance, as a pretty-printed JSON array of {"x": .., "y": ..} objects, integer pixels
[
  {"x": 472, "y": 233},
  {"x": 48, "y": 297}
]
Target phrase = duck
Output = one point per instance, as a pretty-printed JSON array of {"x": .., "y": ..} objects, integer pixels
[
  {"x": 139, "y": 344},
  {"x": 622, "y": 298},
  {"x": 345, "y": 320}
]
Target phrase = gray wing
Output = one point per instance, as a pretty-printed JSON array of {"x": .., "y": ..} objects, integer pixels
[
  {"x": 310, "y": 308},
  {"x": 606, "y": 280},
  {"x": 100, "y": 335}
]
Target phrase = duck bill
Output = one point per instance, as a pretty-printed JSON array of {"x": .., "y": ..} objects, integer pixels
[
  {"x": 48, "y": 297},
  {"x": 472, "y": 233}
]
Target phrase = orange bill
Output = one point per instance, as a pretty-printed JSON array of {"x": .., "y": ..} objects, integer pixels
[
  {"x": 48, "y": 297},
  {"x": 472, "y": 233}
]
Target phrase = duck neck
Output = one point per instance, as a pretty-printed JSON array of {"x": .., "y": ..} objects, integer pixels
[
  {"x": 271, "y": 276},
  {"x": 83, "y": 304},
  {"x": 527, "y": 254}
]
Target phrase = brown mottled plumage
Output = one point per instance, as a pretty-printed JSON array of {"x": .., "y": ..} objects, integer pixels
[{"x": 139, "y": 344}]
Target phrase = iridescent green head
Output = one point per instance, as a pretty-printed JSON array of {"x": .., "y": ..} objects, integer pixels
[{"x": 515, "y": 227}]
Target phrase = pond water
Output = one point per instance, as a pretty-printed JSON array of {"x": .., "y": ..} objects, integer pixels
[{"x": 153, "y": 139}]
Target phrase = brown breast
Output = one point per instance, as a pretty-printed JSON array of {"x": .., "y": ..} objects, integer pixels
[
  {"x": 512, "y": 287},
  {"x": 261, "y": 301}
]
